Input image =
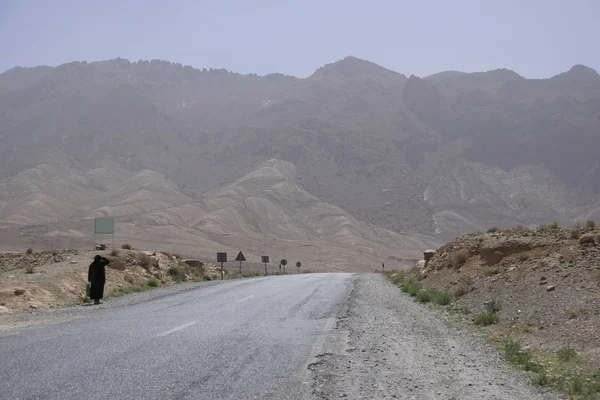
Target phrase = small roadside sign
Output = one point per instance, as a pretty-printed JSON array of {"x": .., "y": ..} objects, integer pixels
[
  {"x": 240, "y": 257},
  {"x": 284, "y": 263},
  {"x": 265, "y": 260},
  {"x": 298, "y": 265},
  {"x": 222, "y": 258}
]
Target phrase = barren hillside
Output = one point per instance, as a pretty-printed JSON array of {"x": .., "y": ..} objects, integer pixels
[
  {"x": 445, "y": 154},
  {"x": 262, "y": 213}
]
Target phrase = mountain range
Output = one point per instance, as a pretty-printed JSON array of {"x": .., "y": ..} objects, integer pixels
[{"x": 430, "y": 158}]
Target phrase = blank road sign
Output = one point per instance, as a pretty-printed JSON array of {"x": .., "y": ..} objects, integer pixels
[
  {"x": 104, "y": 226},
  {"x": 221, "y": 257},
  {"x": 265, "y": 259}
]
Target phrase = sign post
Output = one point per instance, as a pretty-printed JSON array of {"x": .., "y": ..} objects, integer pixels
[
  {"x": 222, "y": 258},
  {"x": 265, "y": 260},
  {"x": 104, "y": 226},
  {"x": 284, "y": 263},
  {"x": 298, "y": 264},
  {"x": 240, "y": 257}
]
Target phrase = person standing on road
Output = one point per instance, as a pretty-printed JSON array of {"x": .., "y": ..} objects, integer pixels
[{"x": 97, "y": 277}]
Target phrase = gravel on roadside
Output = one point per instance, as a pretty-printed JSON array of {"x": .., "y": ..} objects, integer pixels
[{"x": 398, "y": 349}]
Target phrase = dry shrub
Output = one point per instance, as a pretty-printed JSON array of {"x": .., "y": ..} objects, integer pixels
[
  {"x": 146, "y": 261},
  {"x": 459, "y": 258},
  {"x": 575, "y": 233},
  {"x": 117, "y": 264},
  {"x": 463, "y": 289}
]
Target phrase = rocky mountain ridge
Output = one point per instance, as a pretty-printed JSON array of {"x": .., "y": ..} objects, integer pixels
[{"x": 444, "y": 154}]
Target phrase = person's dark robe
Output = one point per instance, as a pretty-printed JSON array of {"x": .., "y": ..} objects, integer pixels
[{"x": 97, "y": 277}]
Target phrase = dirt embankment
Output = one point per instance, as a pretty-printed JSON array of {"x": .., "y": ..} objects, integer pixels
[
  {"x": 547, "y": 282},
  {"x": 58, "y": 278}
]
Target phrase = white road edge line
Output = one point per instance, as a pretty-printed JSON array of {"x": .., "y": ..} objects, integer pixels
[
  {"x": 246, "y": 298},
  {"x": 177, "y": 328}
]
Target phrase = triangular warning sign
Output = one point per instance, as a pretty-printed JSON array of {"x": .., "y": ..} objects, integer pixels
[{"x": 240, "y": 257}]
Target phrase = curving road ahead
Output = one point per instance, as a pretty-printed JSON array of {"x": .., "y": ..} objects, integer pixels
[{"x": 247, "y": 339}]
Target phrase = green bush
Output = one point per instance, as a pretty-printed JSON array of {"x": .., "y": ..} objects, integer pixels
[
  {"x": 177, "y": 273},
  {"x": 540, "y": 379},
  {"x": 114, "y": 252},
  {"x": 30, "y": 269},
  {"x": 411, "y": 289},
  {"x": 423, "y": 296},
  {"x": 489, "y": 271},
  {"x": 590, "y": 224},
  {"x": 493, "y": 229},
  {"x": 493, "y": 306},
  {"x": 153, "y": 282},
  {"x": 566, "y": 354},
  {"x": 549, "y": 227},
  {"x": 464, "y": 310},
  {"x": 29, "y": 251},
  {"x": 486, "y": 319},
  {"x": 514, "y": 353},
  {"x": 126, "y": 246},
  {"x": 442, "y": 298}
]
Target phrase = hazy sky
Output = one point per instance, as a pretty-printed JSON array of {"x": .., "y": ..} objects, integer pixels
[{"x": 537, "y": 38}]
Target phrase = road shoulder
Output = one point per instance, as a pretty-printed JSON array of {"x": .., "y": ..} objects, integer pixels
[{"x": 391, "y": 347}]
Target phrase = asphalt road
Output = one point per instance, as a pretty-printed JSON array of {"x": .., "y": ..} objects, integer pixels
[{"x": 247, "y": 339}]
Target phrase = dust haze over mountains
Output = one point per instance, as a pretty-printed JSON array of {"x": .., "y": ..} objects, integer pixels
[{"x": 356, "y": 159}]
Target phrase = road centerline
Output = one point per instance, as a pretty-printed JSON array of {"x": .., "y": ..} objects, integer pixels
[{"x": 177, "y": 328}]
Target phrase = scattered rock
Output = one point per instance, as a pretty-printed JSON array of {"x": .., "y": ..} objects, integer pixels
[
  {"x": 33, "y": 307},
  {"x": 73, "y": 261},
  {"x": 4, "y": 310},
  {"x": 19, "y": 292},
  {"x": 588, "y": 239},
  {"x": 550, "y": 288},
  {"x": 420, "y": 265}
]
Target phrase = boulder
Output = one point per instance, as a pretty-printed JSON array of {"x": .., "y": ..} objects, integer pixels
[
  {"x": 428, "y": 255},
  {"x": 492, "y": 257},
  {"x": 194, "y": 263},
  {"x": 588, "y": 239}
]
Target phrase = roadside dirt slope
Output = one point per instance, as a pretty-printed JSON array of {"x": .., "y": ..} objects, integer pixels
[
  {"x": 547, "y": 282},
  {"x": 57, "y": 278}
]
